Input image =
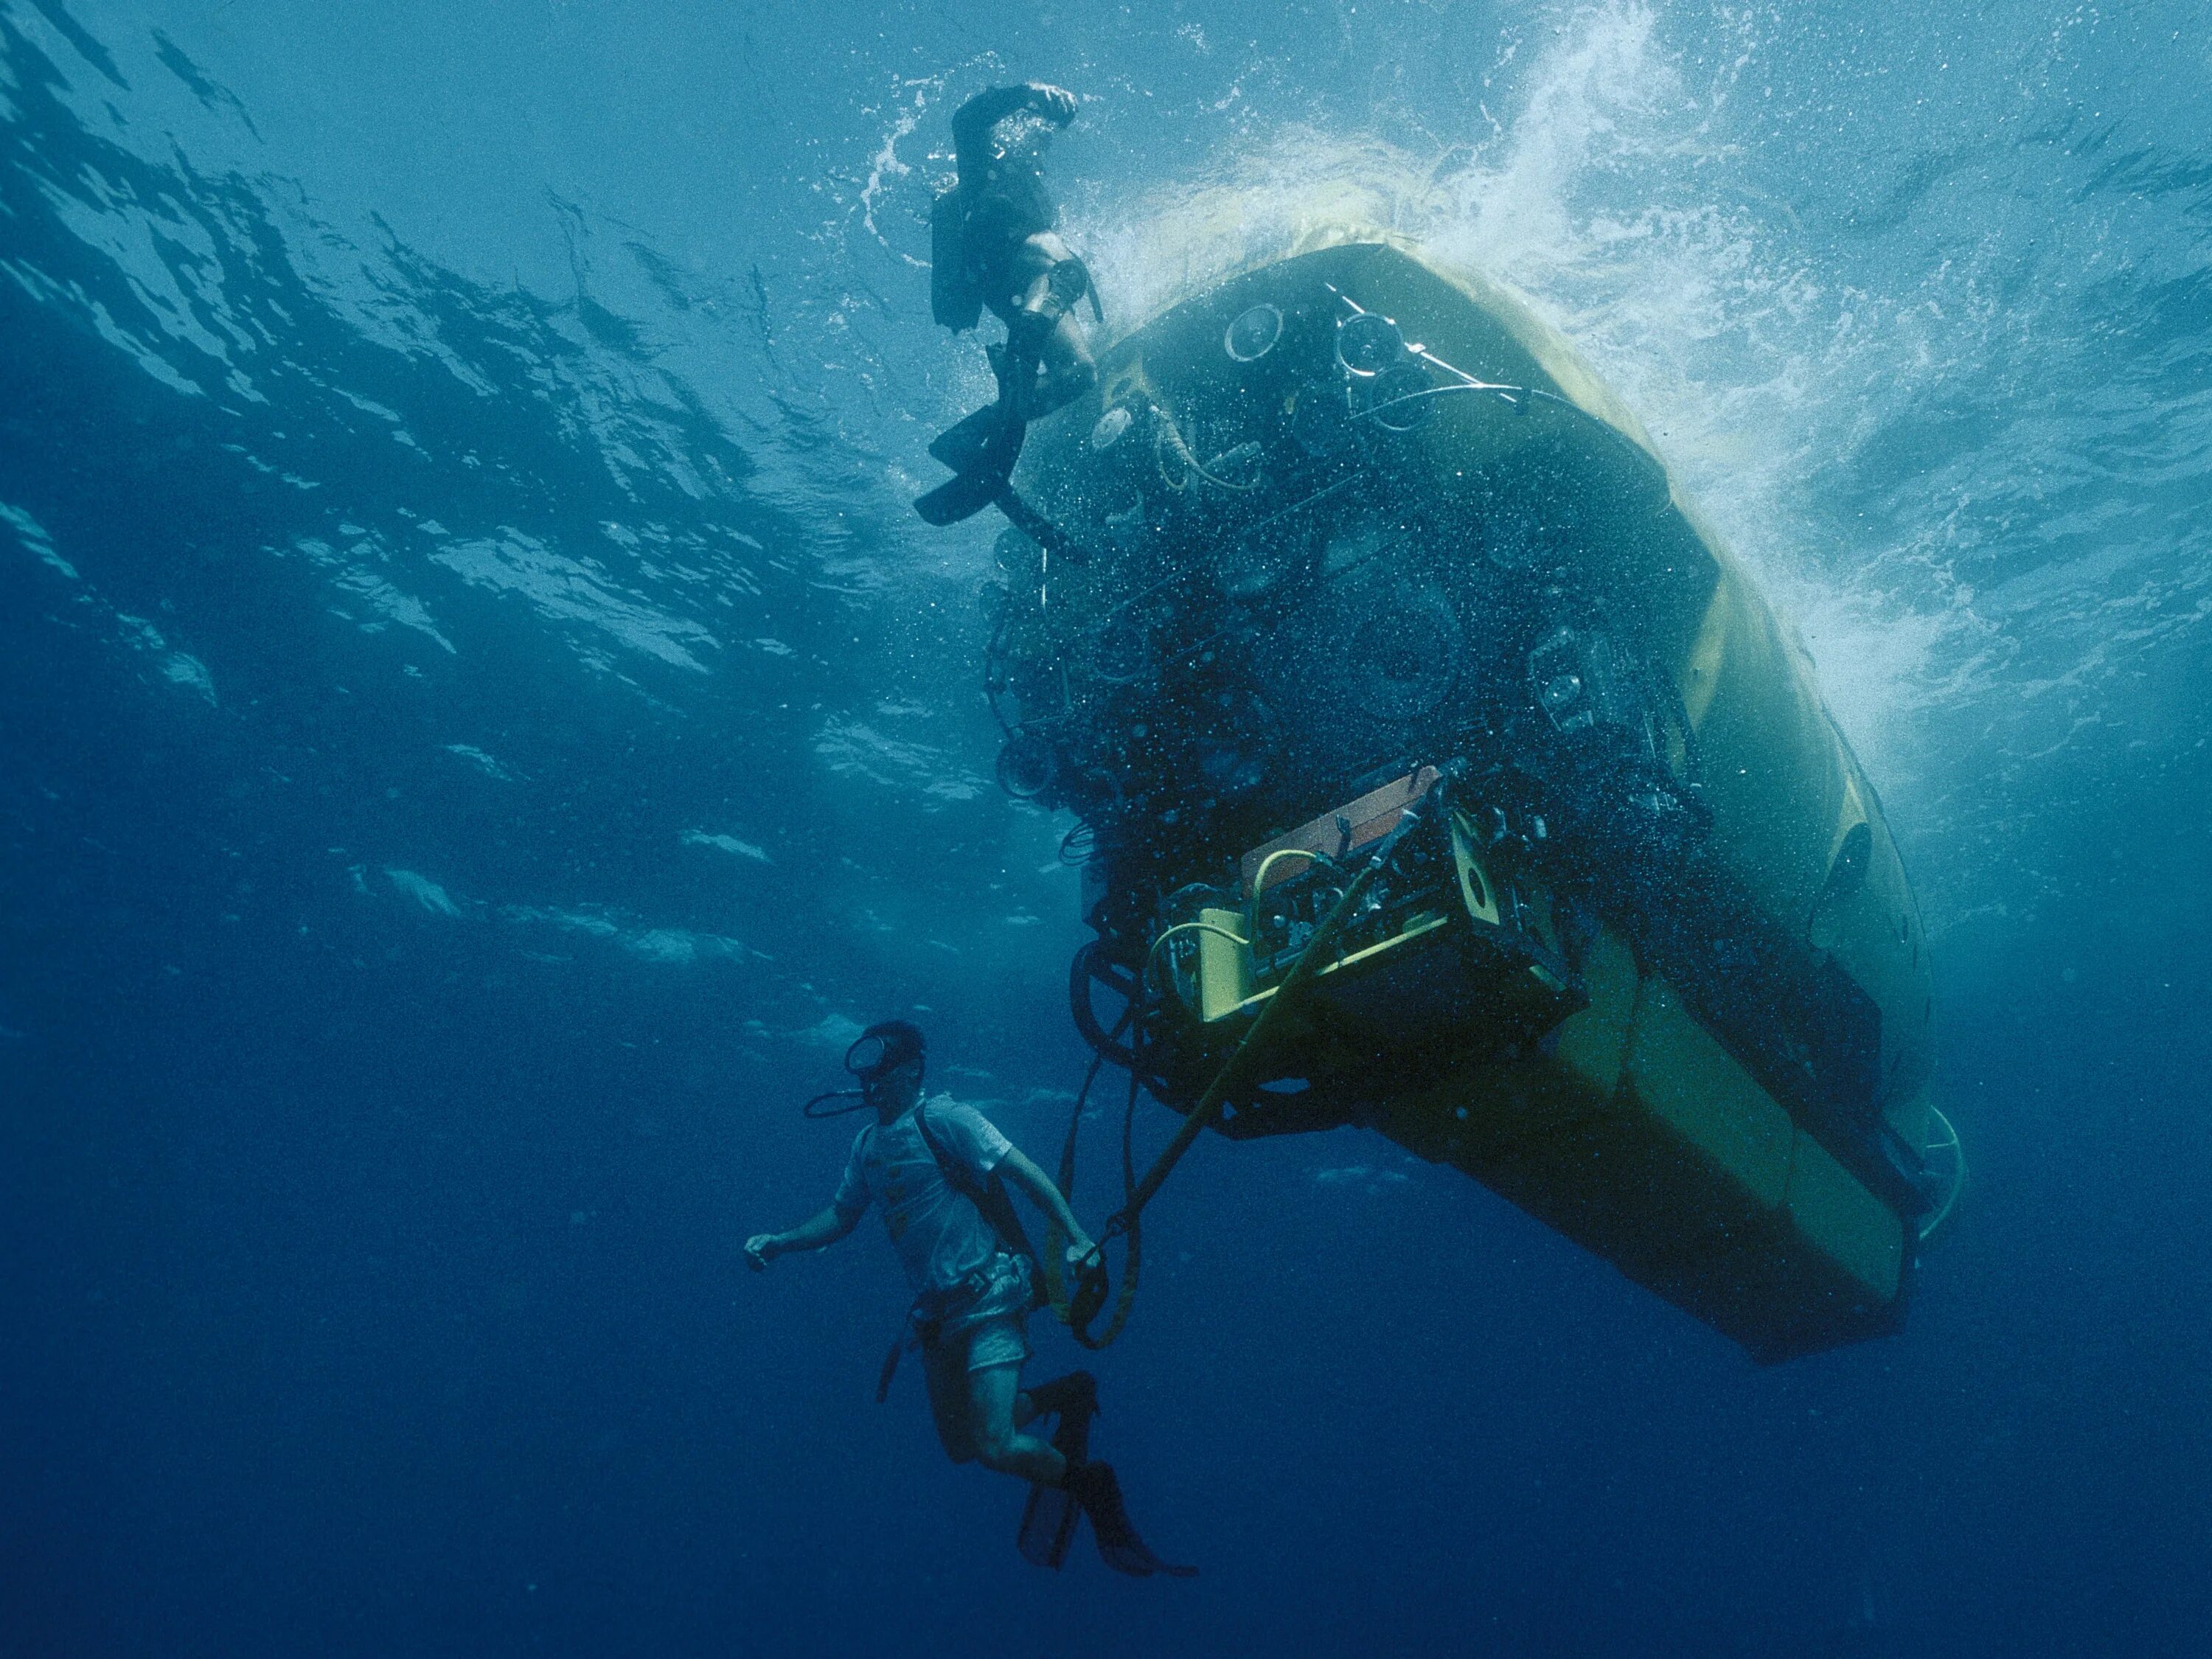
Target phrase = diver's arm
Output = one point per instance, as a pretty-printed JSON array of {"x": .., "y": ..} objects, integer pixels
[
  {"x": 973, "y": 121},
  {"x": 1047, "y": 1197},
  {"x": 814, "y": 1234}
]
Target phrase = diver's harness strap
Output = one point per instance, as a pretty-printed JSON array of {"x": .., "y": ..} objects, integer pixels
[
  {"x": 991, "y": 1201},
  {"x": 989, "y": 1197},
  {"x": 1084, "y": 1307}
]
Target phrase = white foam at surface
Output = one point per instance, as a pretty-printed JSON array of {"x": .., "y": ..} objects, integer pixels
[
  {"x": 1619, "y": 199},
  {"x": 424, "y": 891},
  {"x": 484, "y": 762},
  {"x": 177, "y": 667},
  {"x": 730, "y": 844},
  {"x": 569, "y": 589},
  {"x": 32, "y": 537}
]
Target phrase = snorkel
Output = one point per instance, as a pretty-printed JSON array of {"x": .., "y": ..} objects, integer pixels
[{"x": 874, "y": 1061}]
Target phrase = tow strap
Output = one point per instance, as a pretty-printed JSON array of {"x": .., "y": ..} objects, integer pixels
[{"x": 1077, "y": 1304}]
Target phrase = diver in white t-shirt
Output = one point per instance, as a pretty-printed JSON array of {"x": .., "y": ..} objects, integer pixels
[{"x": 939, "y": 1170}]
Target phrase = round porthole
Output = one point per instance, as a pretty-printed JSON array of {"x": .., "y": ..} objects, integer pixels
[
  {"x": 1368, "y": 344},
  {"x": 1253, "y": 334},
  {"x": 1398, "y": 400},
  {"x": 1027, "y": 766}
]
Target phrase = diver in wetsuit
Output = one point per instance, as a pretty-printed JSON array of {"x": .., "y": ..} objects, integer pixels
[
  {"x": 936, "y": 1169},
  {"x": 994, "y": 245}
]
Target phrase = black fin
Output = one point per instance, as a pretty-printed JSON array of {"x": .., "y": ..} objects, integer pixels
[
  {"x": 1048, "y": 1526},
  {"x": 969, "y": 491},
  {"x": 958, "y": 498},
  {"x": 1120, "y": 1545},
  {"x": 1048, "y": 1522},
  {"x": 1075, "y": 1398},
  {"x": 962, "y": 446}
]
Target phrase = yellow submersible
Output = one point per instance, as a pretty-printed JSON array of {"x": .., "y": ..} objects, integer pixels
[{"x": 1345, "y": 534}]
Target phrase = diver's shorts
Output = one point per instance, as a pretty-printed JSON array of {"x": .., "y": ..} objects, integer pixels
[
  {"x": 998, "y": 1341},
  {"x": 984, "y": 1328}
]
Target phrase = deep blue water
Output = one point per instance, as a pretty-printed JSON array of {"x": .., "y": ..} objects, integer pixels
[{"x": 478, "y": 721}]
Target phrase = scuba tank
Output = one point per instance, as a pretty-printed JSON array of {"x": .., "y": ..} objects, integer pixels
[{"x": 955, "y": 301}]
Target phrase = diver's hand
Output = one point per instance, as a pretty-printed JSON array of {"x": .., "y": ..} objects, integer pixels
[
  {"x": 762, "y": 1249},
  {"x": 1082, "y": 1255},
  {"x": 1056, "y": 104}
]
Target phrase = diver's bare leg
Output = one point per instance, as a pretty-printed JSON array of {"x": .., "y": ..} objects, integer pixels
[
  {"x": 999, "y": 1445},
  {"x": 946, "y": 1368},
  {"x": 1035, "y": 258},
  {"x": 1064, "y": 356},
  {"x": 1069, "y": 371}
]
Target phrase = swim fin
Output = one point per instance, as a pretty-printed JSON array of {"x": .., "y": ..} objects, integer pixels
[
  {"x": 1095, "y": 1489},
  {"x": 1047, "y": 1528},
  {"x": 963, "y": 445},
  {"x": 990, "y": 448}
]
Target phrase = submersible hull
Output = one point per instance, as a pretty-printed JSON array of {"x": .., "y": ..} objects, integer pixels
[{"x": 1347, "y": 531}]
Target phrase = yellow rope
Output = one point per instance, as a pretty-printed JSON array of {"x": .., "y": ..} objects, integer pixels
[{"x": 1260, "y": 875}]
